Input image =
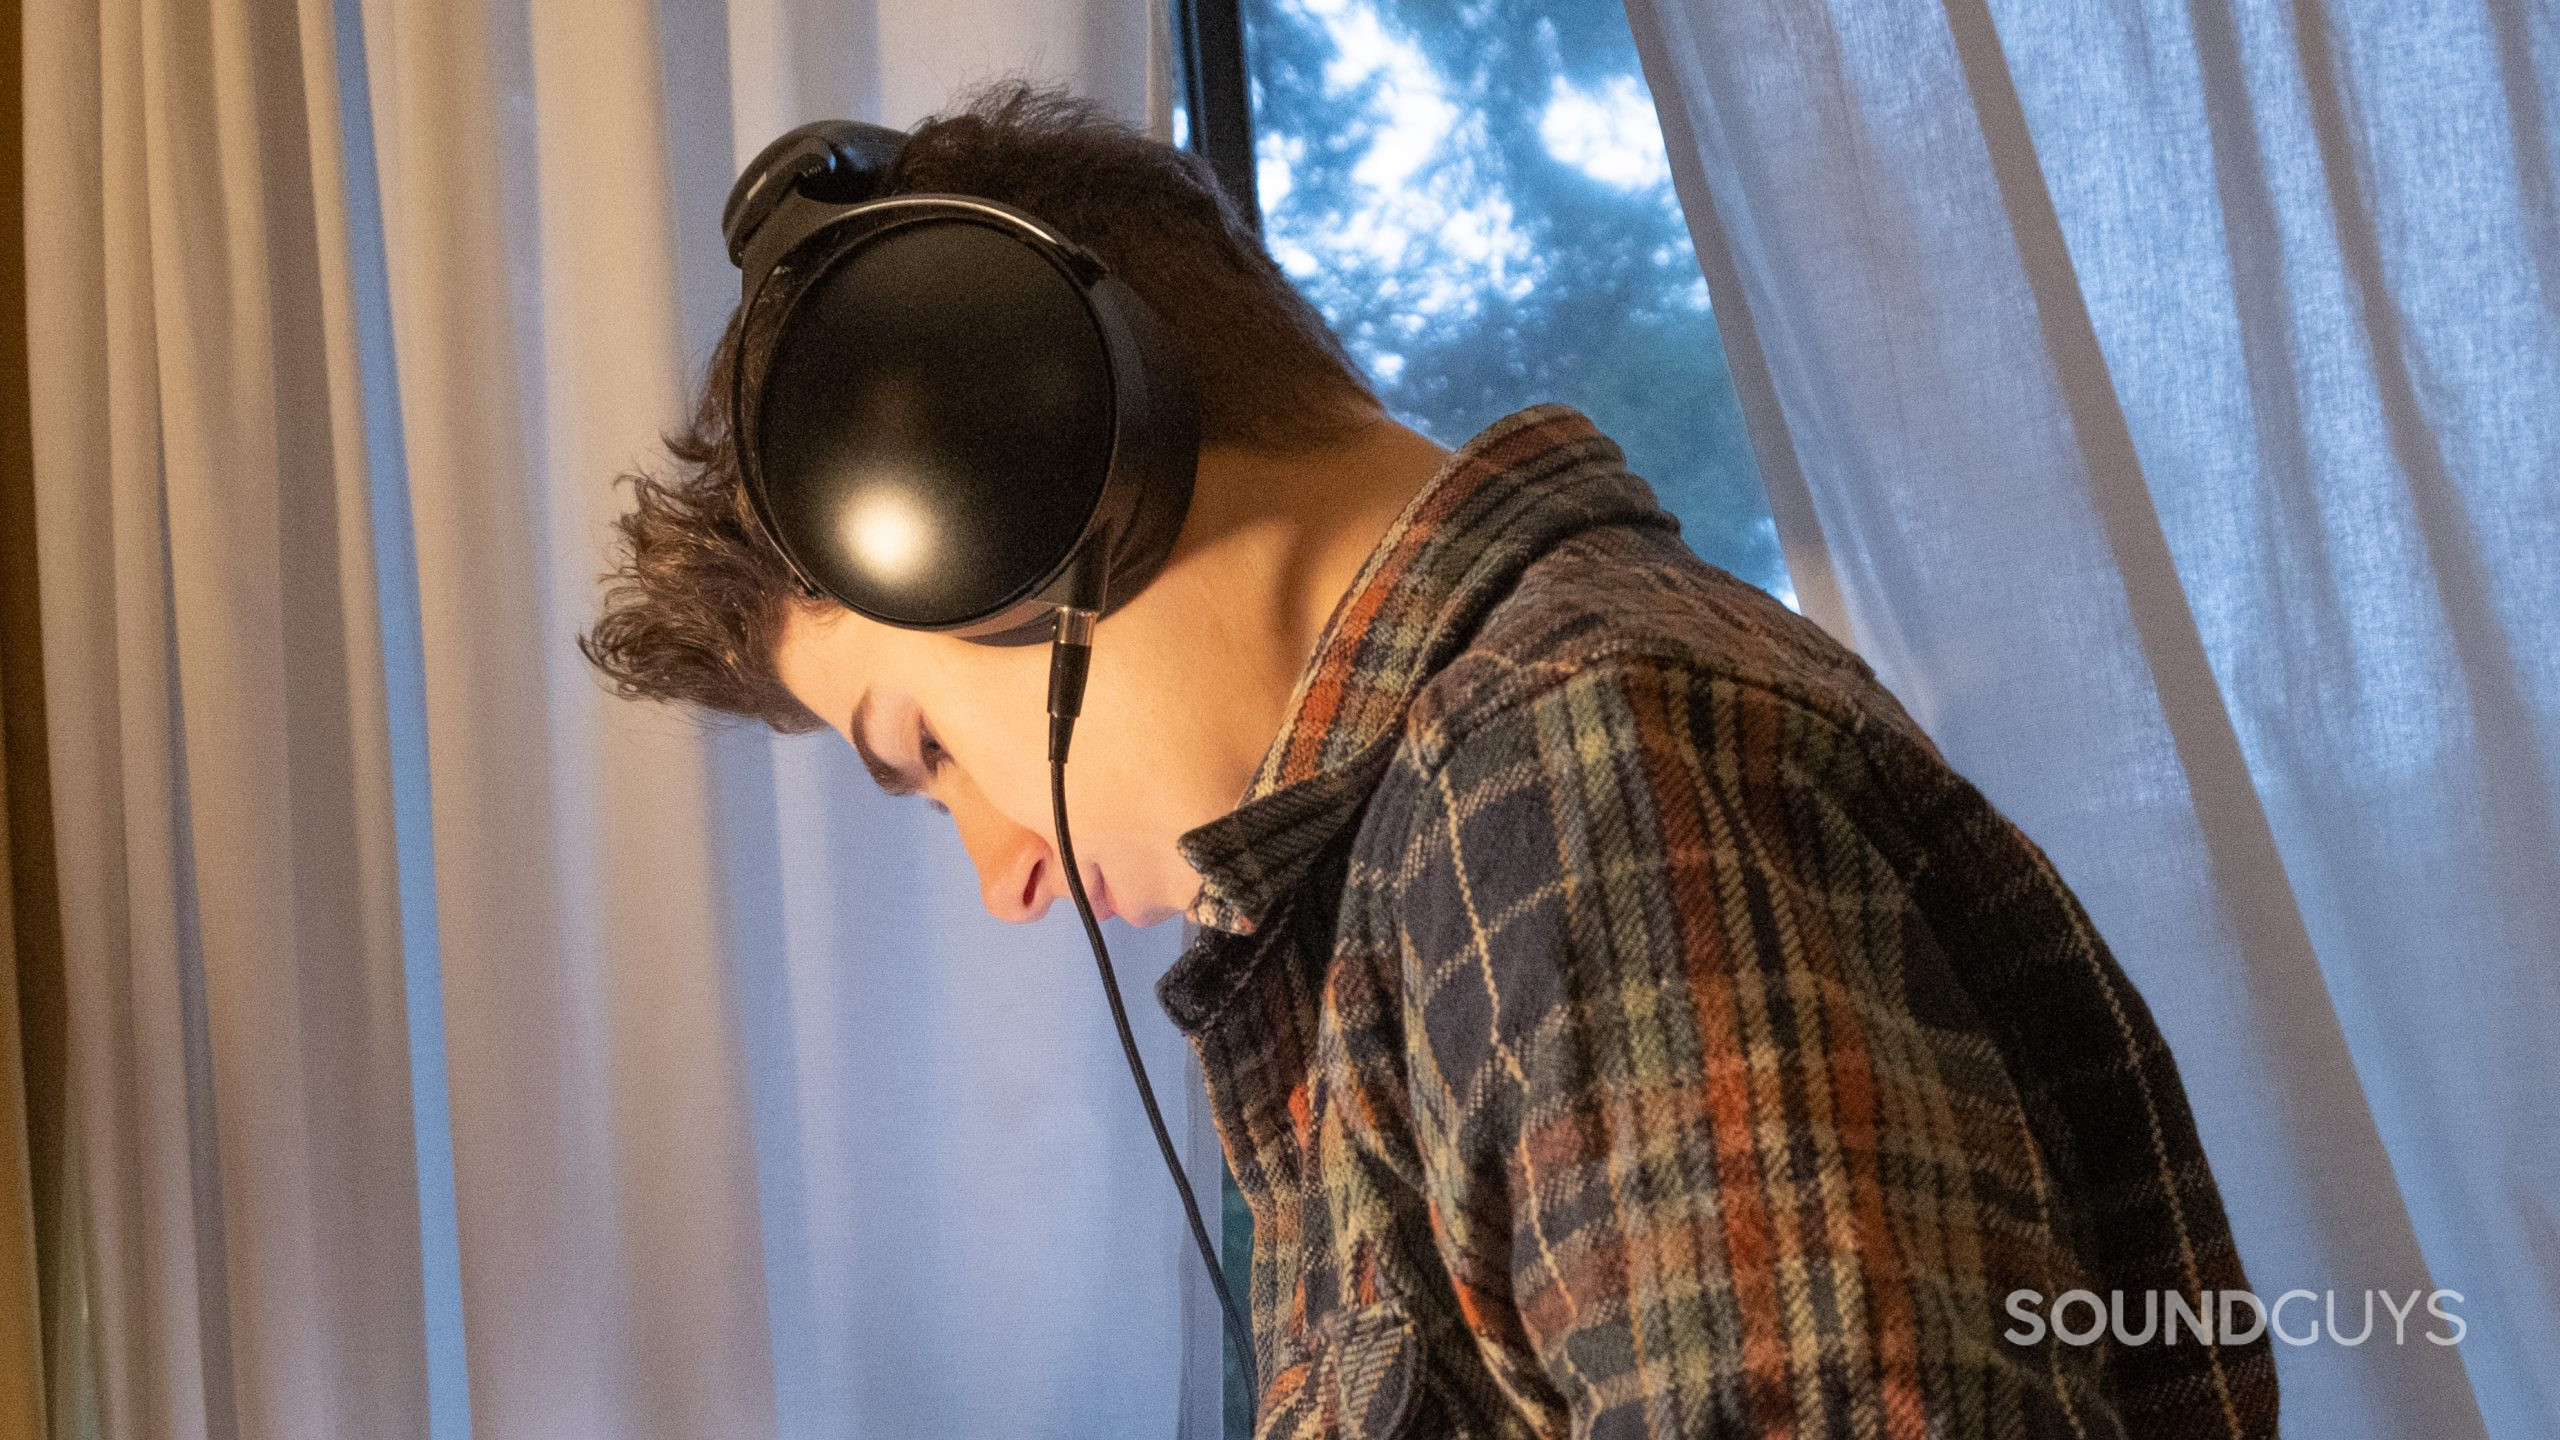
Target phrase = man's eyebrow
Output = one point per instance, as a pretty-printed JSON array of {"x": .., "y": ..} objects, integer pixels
[{"x": 888, "y": 777}]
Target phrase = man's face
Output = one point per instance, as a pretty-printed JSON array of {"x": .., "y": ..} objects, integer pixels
[{"x": 967, "y": 727}]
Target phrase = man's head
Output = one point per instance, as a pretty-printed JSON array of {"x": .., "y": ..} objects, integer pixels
[{"x": 700, "y": 609}]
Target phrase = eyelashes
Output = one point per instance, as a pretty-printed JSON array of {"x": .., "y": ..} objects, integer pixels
[{"x": 930, "y": 753}]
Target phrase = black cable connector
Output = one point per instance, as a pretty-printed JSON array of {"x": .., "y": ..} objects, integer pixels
[{"x": 1069, "y": 658}]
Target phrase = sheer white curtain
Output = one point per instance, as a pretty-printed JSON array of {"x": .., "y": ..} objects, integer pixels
[
  {"x": 460, "y": 1051},
  {"x": 2165, "y": 397}
]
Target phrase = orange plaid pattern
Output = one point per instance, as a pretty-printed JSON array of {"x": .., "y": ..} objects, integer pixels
[{"x": 1622, "y": 1023}]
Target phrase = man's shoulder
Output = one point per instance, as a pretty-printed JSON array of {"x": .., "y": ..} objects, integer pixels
[{"x": 1621, "y": 597}]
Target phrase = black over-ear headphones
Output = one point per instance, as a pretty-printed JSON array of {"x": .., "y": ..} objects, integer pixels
[{"x": 967, "y": 423}]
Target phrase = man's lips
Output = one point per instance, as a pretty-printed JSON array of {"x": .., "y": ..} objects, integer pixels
[{"x": 1097, "y": 890}]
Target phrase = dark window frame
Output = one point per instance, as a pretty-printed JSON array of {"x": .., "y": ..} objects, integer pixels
[
  {"x": 1218, "y": 99},
  {"x": 1218, "y": 96}
]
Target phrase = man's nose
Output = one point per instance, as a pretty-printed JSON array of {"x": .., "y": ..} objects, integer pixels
[
  {"x": 1016, "y": 874},
  {"x": 1016, "y": 885}
]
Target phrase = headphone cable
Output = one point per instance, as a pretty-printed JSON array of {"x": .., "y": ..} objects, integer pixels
[{"x": 1069, "y": 658}]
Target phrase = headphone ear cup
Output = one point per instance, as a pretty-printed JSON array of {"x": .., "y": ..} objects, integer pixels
[
  {"x": 1156, "y": 454},
  {"x": 933, "y": 434},
  {"x": 965, "y": 423}
]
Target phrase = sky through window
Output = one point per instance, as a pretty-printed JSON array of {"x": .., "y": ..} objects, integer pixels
[{"x": 1477, "y": 197}]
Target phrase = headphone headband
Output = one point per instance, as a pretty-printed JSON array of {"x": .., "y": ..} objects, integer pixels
[{"x": 840, "y": 161}]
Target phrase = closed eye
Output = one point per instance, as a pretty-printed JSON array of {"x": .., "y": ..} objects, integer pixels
[{"x": 929, "y": 750}]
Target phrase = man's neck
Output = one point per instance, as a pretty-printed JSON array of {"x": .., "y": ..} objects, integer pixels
[{"x": 1270, "y": 546}]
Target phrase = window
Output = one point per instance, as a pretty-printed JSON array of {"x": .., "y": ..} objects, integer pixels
[{"x": 1476, "y": 194}]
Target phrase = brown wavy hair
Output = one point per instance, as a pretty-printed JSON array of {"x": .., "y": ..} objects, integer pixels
[{"x": 697, "y": 597}]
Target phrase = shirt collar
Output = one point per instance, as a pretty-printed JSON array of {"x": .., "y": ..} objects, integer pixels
[{"x": 1498, "y": 502}]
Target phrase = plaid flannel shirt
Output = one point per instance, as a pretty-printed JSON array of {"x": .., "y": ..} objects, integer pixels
[{"x": 1621, "y": 1022}]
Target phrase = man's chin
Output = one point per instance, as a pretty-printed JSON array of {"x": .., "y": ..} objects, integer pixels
[{"x": 1151, "y": 915}]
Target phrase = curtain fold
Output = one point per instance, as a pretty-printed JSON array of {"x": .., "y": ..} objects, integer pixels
[
  {"x": 2168, "y": 390},
  {"x": 22, "y": 1358},
  {"x": 22, "y": 1350},
  {"x": 459, "y": 1050},
  {"x": 32, "y": 1253},
  {"x": 217, "y": 730}
]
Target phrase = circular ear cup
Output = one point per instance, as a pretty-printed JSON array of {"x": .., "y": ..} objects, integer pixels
[
  {"x": 935, "y": 425},
  {"x": 964, "y": 424}
]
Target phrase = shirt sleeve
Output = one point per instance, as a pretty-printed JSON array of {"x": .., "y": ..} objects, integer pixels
[{"x": 1688, "y": 1168}]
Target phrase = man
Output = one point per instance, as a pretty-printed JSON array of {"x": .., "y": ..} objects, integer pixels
[{"x": 1619, "y": 1019}]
